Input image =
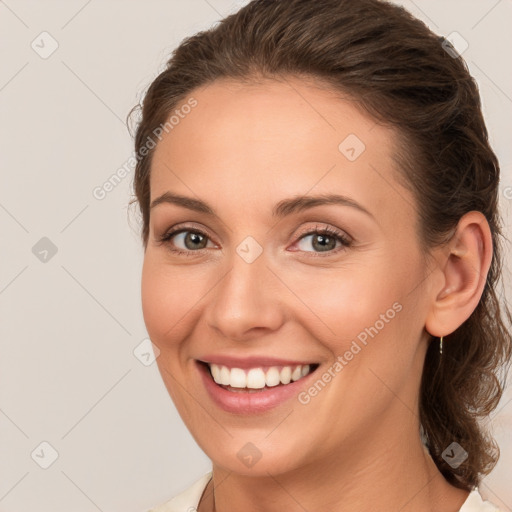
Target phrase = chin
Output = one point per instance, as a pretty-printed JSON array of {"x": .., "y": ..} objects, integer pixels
[{"x": 252, "y": 459}]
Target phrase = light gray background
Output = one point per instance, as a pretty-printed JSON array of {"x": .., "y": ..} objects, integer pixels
[{"x": 69, "y": 326}]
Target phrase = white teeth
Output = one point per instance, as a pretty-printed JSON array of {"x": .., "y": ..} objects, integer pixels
[
  {"x": 256, "y": 378},
  {"x": 286, "y": 375},
  {"x": 297, "y": 373},
  {"x": 215, "y": 372},
  {"x": 238, "y": 378},
  {"x": 272, "y": 378},
  {"x": 225, "y": 376}
]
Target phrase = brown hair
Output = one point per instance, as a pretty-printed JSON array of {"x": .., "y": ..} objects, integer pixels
[{"x": 406, "y": 77}]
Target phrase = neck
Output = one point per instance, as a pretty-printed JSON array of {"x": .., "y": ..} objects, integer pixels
[{"x": 393, "y": 472}]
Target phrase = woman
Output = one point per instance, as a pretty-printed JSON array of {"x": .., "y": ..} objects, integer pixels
[{"x": 322, "y": 247}]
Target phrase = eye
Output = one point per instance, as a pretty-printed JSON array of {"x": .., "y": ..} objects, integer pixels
[
  {"x": 324, "y": 240},
  {"x": 193, "y": 240}
]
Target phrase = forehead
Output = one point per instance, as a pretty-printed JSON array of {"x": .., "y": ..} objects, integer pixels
[{"x": 274, "y": 139}]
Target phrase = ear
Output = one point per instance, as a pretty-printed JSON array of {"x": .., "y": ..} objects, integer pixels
[{"x": 461, "y": 273}]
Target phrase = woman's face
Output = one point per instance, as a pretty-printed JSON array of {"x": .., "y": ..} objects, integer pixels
[{"x": 259, "y": 285}]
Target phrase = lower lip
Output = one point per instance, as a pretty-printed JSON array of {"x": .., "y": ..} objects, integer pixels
[{"x": 244, "y": 402}]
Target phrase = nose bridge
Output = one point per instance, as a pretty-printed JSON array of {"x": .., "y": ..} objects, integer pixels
[{"x": 245, "y": 297}]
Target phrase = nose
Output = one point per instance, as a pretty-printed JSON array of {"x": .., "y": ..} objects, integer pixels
[{"x": 245, "y": 304}]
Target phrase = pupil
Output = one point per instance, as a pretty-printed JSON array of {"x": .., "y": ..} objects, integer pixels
[
  {"x": 324, "y": 240},
  {"x": 195, "y": 238}
]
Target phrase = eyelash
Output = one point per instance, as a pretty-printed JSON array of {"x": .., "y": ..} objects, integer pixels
[{"x": 338, "y": 235}]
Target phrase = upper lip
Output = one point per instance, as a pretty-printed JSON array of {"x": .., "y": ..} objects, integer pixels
[{"x": 250, "y": 361}]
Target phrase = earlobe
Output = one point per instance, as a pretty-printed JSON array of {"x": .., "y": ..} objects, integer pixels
[{"x": 464, "y": 266}]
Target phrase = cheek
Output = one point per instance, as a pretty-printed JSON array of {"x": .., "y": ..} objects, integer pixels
[
  {"x": 162, "y": 300},
  {"x": 347, "y": 301},
  {"x": 171, "y": 295}
]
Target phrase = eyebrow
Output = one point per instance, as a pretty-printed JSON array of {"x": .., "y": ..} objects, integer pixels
[{"x": 281, "y": 209}]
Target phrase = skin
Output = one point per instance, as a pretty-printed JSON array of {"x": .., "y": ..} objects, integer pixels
[{"x": 243, "y": 149}]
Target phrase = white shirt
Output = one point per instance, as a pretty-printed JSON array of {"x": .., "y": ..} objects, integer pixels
[{"x": 188, "y": 500}]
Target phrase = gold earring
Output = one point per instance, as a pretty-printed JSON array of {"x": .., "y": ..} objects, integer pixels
[{"x": 441, "y": 345}]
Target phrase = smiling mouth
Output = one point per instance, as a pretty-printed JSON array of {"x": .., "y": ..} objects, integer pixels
[{"x": 257, "y": 379}]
